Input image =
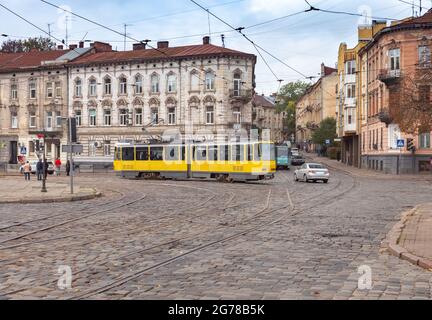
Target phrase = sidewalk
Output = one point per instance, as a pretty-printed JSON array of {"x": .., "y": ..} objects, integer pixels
[
  {"x": 411, "y": 238},
  {"x": 17, "y": 190},
  {"x": 334, "y": 164}
]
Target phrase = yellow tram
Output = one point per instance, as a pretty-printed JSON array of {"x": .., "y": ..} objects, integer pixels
[{"x": 224, "y": 162}]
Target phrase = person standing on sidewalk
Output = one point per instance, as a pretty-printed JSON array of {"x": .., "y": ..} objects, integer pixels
[
  {"x": 27, "y": 171},
  {"x": 68, "y": 168},
  {"x": 39, "y": 170},
  {"x": 58, "y": 166}
]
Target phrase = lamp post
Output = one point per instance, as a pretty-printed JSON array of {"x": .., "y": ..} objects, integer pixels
[{"x": 44, "y": 168}]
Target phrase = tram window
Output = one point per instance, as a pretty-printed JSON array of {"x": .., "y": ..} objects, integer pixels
[
  {"x": 201, "y": 153},
  {"x": 142, "y": 153},
  {"x": 213, "y": 153},
  {"x": 171, "y": 153},
  {"x": 156, "y": 153},
  {"x": 117, "y": 153},
  {"x": 128, "y": 153},
  {"x": 257, "y": 152},
  {"x": 237, "y": 152},
  {"x": 249, "y": 152},
  {"x": 183, "y": 153},
  {"x": 224, "y": 153}
]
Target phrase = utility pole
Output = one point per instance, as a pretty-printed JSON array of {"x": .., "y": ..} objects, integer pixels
[
  {"x": 67, "y": 31},
  {"x": 125, "y": 34},
  {"x": 49, "y": 29}
]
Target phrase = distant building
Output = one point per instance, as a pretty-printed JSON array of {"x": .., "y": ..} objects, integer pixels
[
  {"x": 315, "y": 105},
  {"x": 265, "y": 116}
]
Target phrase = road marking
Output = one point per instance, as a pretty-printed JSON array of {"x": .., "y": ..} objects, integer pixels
[{"x": 289, "y": 199}]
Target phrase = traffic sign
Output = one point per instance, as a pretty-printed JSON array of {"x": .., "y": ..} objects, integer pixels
[
  {"x": 400, "y": 143},
  {"x": 327, "y": 141}
]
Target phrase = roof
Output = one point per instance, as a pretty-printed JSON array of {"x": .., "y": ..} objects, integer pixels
[
  {"x": 162, "y": 53},
  {"x": 328, "y": 71},
  {"x": 426, "y": 18},
  {"x": 260, "y": 100},
  {"x": 28, "y": 60}
]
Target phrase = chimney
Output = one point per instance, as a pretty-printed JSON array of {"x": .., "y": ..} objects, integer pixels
[
  {"x": 101, "y": 46},
  {"x": 139, "y": 46},
  {"x": 322, "y": 69},
  {"x": 81, "y": 44},
  {"x": 60, "y": 47},
  {"x": 162, "y": 44},
  {"x": 206, "y": 40},
  {"x": 72, "y": 46}
]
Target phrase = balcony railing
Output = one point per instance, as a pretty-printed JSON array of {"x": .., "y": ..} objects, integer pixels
[
  {"x": 241, "y": 94},
  {"x": 390, "y": 77}
]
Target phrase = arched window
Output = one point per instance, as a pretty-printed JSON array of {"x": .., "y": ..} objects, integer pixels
[
  {"x": 138, "y": 84},
  {"x": 32, "y": 88},
  {"x": 107, "y": 117},
  {"x": 123, "y": 85},
  {"x": 154, "y": 83},
  {"x": 237, "y": 84},
  {"x": 107, "y": 86},
  {"x": 78, "y": 88},
  {"x": 172, "y": 83},
  {"x": 210, "y": 80},
  {"x": 92, "y": 87},
  {"x": 194, "y": 81}
]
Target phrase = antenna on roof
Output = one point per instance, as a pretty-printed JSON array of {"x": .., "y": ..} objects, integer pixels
[
  {"x": 223, "y": 40},
  {"x": 209, "y": 25}
]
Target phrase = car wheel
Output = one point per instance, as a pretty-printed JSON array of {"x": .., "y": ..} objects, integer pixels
[
  {"x": 325, "y": 181},
  {"x": 295, "y": 177},
  {"x": 305, "y": 179}
]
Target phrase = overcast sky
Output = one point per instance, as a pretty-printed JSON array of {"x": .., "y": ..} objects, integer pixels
[{"x": 302, "y": 41}]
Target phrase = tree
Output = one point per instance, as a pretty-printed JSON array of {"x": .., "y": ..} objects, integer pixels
[
  {"x": 41, "y": 44},
  {"x": 287, "y": 99},
  {"x": 410, "y": 101},
  {"x": 326, "y": 131}
]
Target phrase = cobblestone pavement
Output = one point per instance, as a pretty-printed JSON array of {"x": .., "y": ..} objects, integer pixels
[{"x": 197, "y": 239}]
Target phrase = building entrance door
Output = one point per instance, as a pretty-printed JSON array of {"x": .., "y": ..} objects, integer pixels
[{"x": 13, "y": 151}]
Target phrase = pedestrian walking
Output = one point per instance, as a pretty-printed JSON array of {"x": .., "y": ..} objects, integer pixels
[
  {"x": 58, "y": 166},
  {"x": 27, "y": 171},
  {"x": 39, "y": 169},
  {"x": 68, "y": 168}
]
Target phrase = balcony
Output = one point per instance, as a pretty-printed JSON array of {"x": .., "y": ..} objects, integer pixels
[
  {"x": 241, "y": 95},
  {"x": 390, "y": 77}
]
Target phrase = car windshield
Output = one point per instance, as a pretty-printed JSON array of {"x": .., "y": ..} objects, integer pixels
[{"x": 316, "y": 166}]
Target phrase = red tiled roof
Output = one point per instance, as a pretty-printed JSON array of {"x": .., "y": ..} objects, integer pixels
[
  {"x": 163, "y": 53},
  {"x": 426, "y": 18},
  {"x": 328, "y": 71},
  {"x": 260, "y": 100},
  {"x": 27, "y": 60}
]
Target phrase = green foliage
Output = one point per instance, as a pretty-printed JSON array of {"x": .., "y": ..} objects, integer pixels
[
  {"x": 326, "y": 130},
  {"x": 41, "y": 44},
  {"x": 287, "y": 99},
  {"x": 332, "y": 152}
]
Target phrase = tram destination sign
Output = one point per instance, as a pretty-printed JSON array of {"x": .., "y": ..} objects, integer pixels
[{"x": 76, "y": 148}]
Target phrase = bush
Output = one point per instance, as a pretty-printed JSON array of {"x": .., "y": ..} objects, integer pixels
[{"x": 332, "y": 152}]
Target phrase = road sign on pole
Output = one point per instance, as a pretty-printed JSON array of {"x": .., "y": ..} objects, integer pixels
[{"x": 400, "y": 143}]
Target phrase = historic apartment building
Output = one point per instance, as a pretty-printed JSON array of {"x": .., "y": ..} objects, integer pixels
[
  {"x": 265, "y": 116},
  {"x": 396, "y": 52},
  {"x": 315, "y": 105},
  {"x": 198, "y": 92},
  {"x": 349, "y": 113},
  {"x": 33, "y": 90}
]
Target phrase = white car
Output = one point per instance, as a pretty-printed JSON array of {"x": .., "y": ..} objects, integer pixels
[{"x": 312, "y": 172}]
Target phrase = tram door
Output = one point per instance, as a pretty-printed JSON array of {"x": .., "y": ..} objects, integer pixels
[{"x": 189, "y": 153}]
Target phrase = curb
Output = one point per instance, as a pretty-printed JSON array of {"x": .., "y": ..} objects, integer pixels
[
  {"x": 95, "y": 194},
  {"x": 391, "y": 242}
]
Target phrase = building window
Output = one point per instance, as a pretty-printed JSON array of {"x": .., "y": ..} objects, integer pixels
[
  {"x": 92, "y": 117},
  {"x": 49, "y": 90},
  {"x": 32, "y": 120},
  {"x": 14, "y": 92},
  {"x": 171, "y": 116},
  {"x": 237, "y": 84},
  {"x": 155, "y": 83},
  {"x": 138, "y": 116},
  {"x": 49, "y": 120},
  {"x": 424, "y": 56},
  {"x": 78, "y": 118},
  {"x": 123, "y": 85},
  {"x": 172, "y": 83},
  {"x": 195, "y": 81},
  {"x": 351, "y": 88},
  {"x": 107, "y": 86},
  {"x": 210, "y": 80},
  {"x": 107, "y": 148},
  {"x": 58, "y": 121},
  {"x": 237, "y": 115},
  {"x": 424, "y": 140},
  {"x": 92, "y": 88},
  {"x": 394, "y": 55},
  {"x": 123, "y": 117},
  {"x": 138, "y": 85},
  {"x": 78, "y": 88},
  {"x": 14, "y": 120},
  {"x": 350, "y": 67},
  {"x": 32, "y": 89},
  {"x": 58, "y": 91},
  {"x": 154, "y": 116},
  {"x": 107, "y": 117},
  {"x": 210, "y": 115}
]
